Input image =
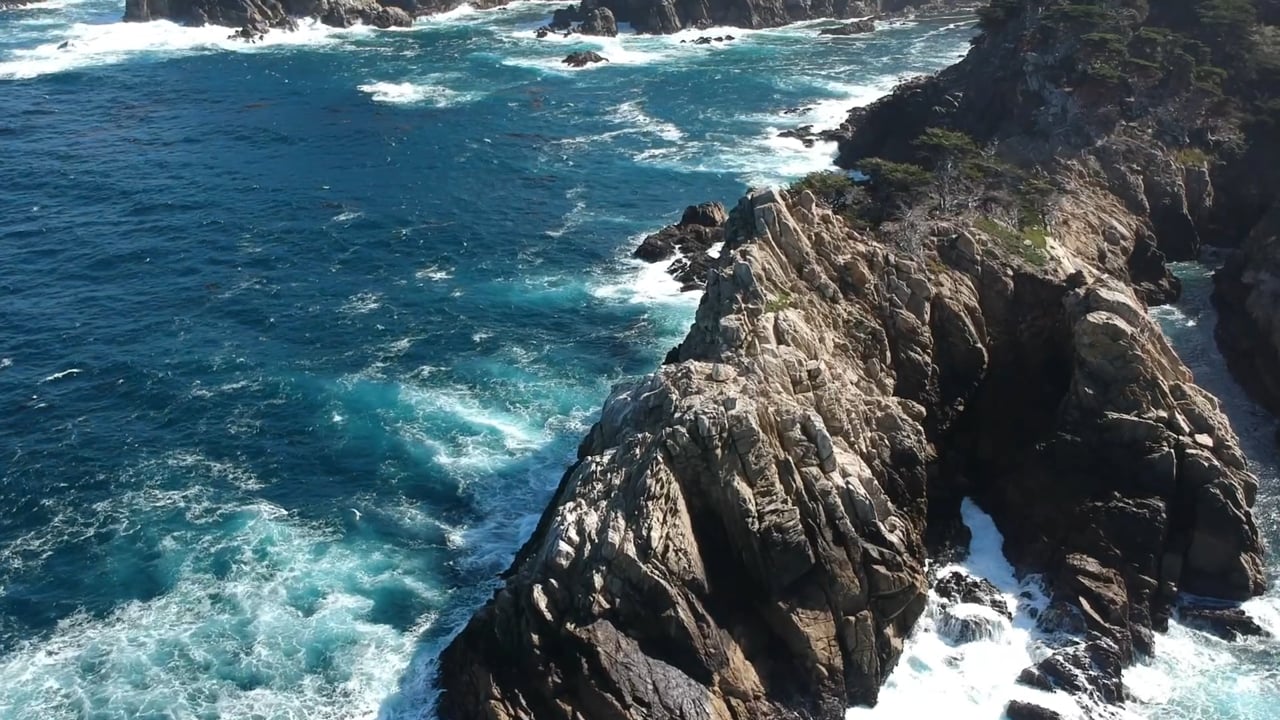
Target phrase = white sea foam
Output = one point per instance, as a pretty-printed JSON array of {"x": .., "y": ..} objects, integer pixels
[
  {"x": 347, "y": 216},
  {"x": 643, "y": 282},
  {"x": 90, "y": 45},
  {"x": 434, "y": 273},
  {"x": 415, "y": 93},
  {"x": 265, "y": 616},
  {"x": 60, "y": 375},
  {"x": 574, "y": 217},
  {"x": 361, "y": 303},
  {"x": 974, "y": 680},
  {"x": 631, "y": 114},
  {"x": 464, "y": 433}
]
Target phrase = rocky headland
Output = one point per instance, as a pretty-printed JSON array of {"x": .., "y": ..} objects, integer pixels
[{"x": 746, "y": 532}]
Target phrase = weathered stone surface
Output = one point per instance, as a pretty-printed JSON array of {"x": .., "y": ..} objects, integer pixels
[
  {"x": 1092, "y": 669},
  {"x": 599, "y": 21},
  {"x": 1228, "y": 623},
  {"x": 969, "y": 608},
  {"x": 1019, "y": 710},
  {"x": 583, "y": 58},
  {"x": 769, "y": 489},
  {"x": 1247, "y": 296}
]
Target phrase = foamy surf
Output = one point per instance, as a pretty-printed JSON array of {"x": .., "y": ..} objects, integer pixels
[
  {"x": 93, "y": 45},
  {"x": 415, "y": 93},
  {"x": 974, "y": 680}
]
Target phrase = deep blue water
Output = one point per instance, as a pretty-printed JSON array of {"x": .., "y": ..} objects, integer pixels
[{"x": 296, "y": 338}]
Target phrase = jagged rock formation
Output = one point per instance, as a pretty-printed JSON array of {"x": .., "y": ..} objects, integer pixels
[
  {"x": 259, "y": 16},
  {"x": 668, "y": 16},
  {"x": 583, "y": 58},
  {"x": 1247, "y": 295},
  {"x": 743, "y": 535},
  {"x": 745, "y": 532},
  {"x": 687, "y": 244}
]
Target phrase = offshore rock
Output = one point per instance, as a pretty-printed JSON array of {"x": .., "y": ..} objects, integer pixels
[
  {"x": 857, "y": 27},
  {"x": 687, "y": 244},
  {"x": 583, "y": 59}
]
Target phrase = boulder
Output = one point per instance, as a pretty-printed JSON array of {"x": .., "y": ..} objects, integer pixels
[
  {"x": 710, "y": 214},
  {"x": 583, "y": 58},
  {"x": 1019, "y": 710},
  {"x": 1092, "y": 669},
  {"x": 857, "y": 27},
  {"x": 599, "y": 21},
  {"x": 970, "y": 608},
  {"x": 1228, "y": 623},
  {"x": 388, "y": 17}
]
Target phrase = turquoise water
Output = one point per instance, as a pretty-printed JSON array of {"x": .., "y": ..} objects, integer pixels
[{"x": 296, "y": 338}]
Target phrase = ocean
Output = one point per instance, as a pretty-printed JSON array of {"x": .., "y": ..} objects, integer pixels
[{"x": 296, "y": 339}]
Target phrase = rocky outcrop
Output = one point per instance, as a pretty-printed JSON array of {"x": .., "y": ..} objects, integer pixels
[
  {"x": 745, "y": 532},
  {"x": 599, "y": 21},
  {"x": 857, "y": 27},
  {"x": 687, "y": 245},
  {"x": 583, "y": 58},
  {"x": 743, "y": 535},
  {"x": 259, "y": 16},
  {"x": 668, "y": 16},
  {"x": 969, "y": 608},
  {"x": 1247, "y": 296}
]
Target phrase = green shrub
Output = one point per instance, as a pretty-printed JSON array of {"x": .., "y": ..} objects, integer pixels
[
  {"x": 895, "y": 177},
  {"x": 824, "y": 183},
  {"x": 1192, "y": 156},
  {"x": 1030, "y": 242},
  {"x": 781, "y": 302}
]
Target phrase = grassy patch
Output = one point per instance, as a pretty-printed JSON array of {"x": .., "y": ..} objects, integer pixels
[
  {"x": 1192, "y": 156},
  {"x": 780, "y": 302},
  {"x": 1030, "y": 243}
]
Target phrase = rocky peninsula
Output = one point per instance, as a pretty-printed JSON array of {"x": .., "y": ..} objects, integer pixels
[{"x": 747, "y": 530}]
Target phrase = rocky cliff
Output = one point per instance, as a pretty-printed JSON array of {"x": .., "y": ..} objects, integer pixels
[
  {"x": 744, "y": 535},
  {"x": 746, "y": 530},
  {"x": 1247, "y": 294}
]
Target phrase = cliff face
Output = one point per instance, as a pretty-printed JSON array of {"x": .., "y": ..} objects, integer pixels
[
  {"x": 744, "y": 533},
  {"x": 1247, "y": 295}
]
